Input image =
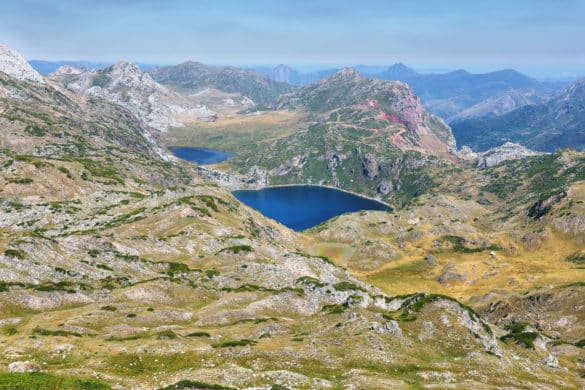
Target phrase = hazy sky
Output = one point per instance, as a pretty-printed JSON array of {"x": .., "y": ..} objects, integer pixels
[{"x": 448, "y": 33}]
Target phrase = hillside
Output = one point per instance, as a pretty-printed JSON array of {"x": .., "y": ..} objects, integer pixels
[
  {"x": 557, "y": 123},
  {"x": 121, "y": 267},
  {"x": 191, "y": 77}
]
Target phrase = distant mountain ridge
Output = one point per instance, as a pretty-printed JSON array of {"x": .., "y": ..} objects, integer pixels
[
  {"x": 557, "y": 123},
  {"x": 194, "y": 76},
  {"x": 47, "y": 67}
]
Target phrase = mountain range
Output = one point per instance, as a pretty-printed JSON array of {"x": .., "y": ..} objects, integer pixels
[
  {"x": 122, "y": 266},
  {"x": 556, "y": 123}
]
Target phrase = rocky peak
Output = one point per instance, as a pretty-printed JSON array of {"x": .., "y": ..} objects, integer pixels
[
  {"x": 67, "y": 70},
  {"x": 345, "y": 74},
  {"x": 14, "y": 64},
  {"x": 507, "y": 151}
]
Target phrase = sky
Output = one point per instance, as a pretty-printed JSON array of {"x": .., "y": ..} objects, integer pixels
[{"x": 472, "y": 34}]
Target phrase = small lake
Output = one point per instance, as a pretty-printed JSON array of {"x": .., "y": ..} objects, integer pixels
[
  {"x": 304, "y": 206},
  {"x": 201, "y": 156}
]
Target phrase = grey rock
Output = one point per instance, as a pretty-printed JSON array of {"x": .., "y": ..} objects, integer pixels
[
  {"x": 385, "y": 187},
  {"x": 431, "y": 260},
  {"x": 505, "y": 152},
  {"x": 551, "y": 361},
  {"x": 23, "y": 366},
  {"x": 13, "y": 64}
]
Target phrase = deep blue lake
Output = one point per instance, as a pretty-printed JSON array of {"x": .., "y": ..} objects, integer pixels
[
  {"x": 201, "y": 156},
  {"x": 304, "y": 206}
]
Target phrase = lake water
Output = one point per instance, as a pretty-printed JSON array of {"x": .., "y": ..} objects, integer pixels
[
  {"x": 201, "y": 156},
  {"x": 303, "y": 206}
]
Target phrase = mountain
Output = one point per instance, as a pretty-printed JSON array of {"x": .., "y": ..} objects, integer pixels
[
  {"x": 359, "y": 134},
  {"x": 192, "y": 77},
  {"x": 449, "y": 94},
  {"x": 557, "y": 123},
  {"x": 286, "y": 74},
  {"x": 47, "y": 67},
  {"x": 13, "y": 64},
  {"x": 496, "y": 105},
  {"x": 128, "y": 86}
]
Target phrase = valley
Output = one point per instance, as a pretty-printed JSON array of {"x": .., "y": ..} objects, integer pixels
[{"x": 123, "y": 266}]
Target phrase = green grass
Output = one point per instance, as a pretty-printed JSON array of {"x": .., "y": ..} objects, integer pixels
[{"x": 42, "y": 381}]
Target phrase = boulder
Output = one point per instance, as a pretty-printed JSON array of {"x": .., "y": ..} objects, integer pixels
[{"x": 23, "y": 366}]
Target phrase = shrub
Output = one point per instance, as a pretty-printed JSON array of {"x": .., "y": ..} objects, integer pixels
[
  {"x": 198, "y": 334},
  {"x": 47, "y": 332},
  {"x": 577, "y": 258},
  {"x": 235, "y": 343},
  {"x": 166, "y": 334},
  {"x": 14, "y": 253},
  {"x": 190, "y": 385},
  {"x": 109, "y": 308}
]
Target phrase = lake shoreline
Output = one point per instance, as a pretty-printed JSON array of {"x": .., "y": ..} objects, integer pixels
[{"x": 317, "y": 185}]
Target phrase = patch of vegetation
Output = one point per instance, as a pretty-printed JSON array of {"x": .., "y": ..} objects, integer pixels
[
  {"x": 458, "y": 244},
  {"x": 109, "y": 308},
  {"x": 347, "y": 286},
  {"x": 175, "y": 269},
  {"x": 198, "y": 334},
  {"x": 24, "y": 181},
  {"x": 310, "y": 281},
  {"x": 10, "y": 331},
  {"x": 236, "y": 249},
  {"x": 194, "y": 385},
  {"x": 235, "y": 343},
  {"x": 48, "y": 332},
  {"x": 334, "y": 309},
  {"x": 577, "y": 258},
  {"x": 519, "y": 336},
  {"x": 129, "y": 338},
  {"x": 15, "y": 253},
  {"x": 166, "y": 335},
  {"x": 35, "y": 130},
  {"x": 39, "y": 380},
  {"x": 580, "y": 343}
]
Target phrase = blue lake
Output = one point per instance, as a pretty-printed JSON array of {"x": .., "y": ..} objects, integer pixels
[
  {"x": 304, "y": 206},
  {"x": 201, "y": 156}
]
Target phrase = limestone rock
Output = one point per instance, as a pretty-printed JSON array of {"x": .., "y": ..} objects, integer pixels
[
  {"x": 507, "y": 151},
  {"x": 23, "y": 366},
  {"x": 13, "y": 64}
]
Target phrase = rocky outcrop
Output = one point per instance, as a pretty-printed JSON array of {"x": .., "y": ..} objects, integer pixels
[
  {"x": 505, "y": 152},
  {"x": 13, "y": 64},
  {"x": 126, "y": 85}
]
